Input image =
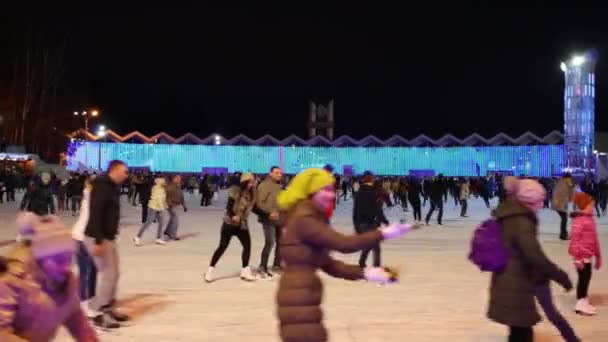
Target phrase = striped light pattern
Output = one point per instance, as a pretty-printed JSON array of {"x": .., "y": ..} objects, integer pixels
[{"x": 540, "y": 160}]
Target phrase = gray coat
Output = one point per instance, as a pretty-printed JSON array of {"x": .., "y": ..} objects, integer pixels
[
  {"x": 267, "y": 198},
  {"x": 512, "y": 299},
  {"x": 562, "y": 193}
]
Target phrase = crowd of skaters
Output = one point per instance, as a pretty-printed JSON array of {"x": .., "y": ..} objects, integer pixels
[{"x": 96, "y": 200}]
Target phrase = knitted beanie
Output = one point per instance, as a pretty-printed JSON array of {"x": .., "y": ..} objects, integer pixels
[
  {"x": 529, "y": 191},
  {"x": 47, "y": 234},
  {"x": 303, "y": 185}
]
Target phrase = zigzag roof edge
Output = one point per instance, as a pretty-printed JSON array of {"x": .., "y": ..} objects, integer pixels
[
  {"x": 552, "y": 137},
  {"x": 529, "y": 134},
  {"x": 188, "y": 135},
  {"x": 477, "y": 136},
  {"x": 449, "y": 136},
  {"x": 396, "y": 137},
  {"x": 163, "y": 134},
  {"x": 265, "y": 138}
]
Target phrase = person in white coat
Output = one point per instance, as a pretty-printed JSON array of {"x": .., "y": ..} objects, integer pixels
[{"x": 157, "y": 210}]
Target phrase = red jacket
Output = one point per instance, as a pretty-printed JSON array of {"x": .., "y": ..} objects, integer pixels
[{"x": 584, "y": 243}]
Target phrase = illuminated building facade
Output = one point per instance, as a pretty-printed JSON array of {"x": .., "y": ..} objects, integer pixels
[{"x": 475, "y": 155}]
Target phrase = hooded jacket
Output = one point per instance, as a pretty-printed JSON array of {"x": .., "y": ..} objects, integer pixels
[
  {"x": 512, "y": 294},
  {"x": 31, "y": 310}
]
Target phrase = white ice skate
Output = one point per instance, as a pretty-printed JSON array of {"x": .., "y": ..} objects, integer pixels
[
  {"x": 137, "y": 241},
  {"x": 247, "y": 275},
  {"x": 209, "y": 275},
  {"x": 583, "y": 307},
  {"x": 161, "y": 242}
]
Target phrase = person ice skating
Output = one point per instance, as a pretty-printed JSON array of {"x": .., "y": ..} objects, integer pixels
[
  {"x": 590, "y": 187},
  {"x": 267, "y": 202},
  {"x": 528, "y": 270},
  {"x": 175, "y": 199},
  {"x": 100, "y": 235},
  {"x": 305, "y": 245},
  {"x": 437, "y": 188},
  {"x": 413, "y": 195},
  {"x": 38, "y": 292},
  {"x": 157, "y": 210},
  {"x": 464, "y": 194},
  {"x": 368, "y": 216},
  {"x": 562, "y": 193},
  {"x": 74, "y": 190},
  {"x": 584, "y": 247},
  {"x": 87, "y": 272},
  {"x": 39, "y": 199},
  {"x": 145, "y": 191},
  {"x": 241, "y": 201}
]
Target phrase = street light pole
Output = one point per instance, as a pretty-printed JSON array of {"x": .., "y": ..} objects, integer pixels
[{"x": 86, "y": 115}]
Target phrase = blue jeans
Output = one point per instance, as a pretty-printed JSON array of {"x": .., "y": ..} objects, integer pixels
[
  {"x": 171, "y": 230},
  {"x": 154, "y": 215},
  {"x": 87, "y": 272}
]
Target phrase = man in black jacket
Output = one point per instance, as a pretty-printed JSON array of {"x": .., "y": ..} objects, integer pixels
[
  {"x": 100, "y": 235},
  {"x": 368, "y": 215},
  {"x": 39, "y": 199},
  {"x": 436, "y": 197}
]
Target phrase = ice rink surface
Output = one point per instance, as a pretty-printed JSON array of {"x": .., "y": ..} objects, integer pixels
[{"x": 441, "y": 296}]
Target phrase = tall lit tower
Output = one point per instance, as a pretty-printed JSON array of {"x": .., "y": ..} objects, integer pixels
[{"x": 579, "y": 112}]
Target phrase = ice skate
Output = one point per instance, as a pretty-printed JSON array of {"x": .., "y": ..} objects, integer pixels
[
  {"x": 209, "y": 274},
  {"x": 584, "y": 308},
  {"x": 265, "y": 274},
  {"x": 137, "y": 241},
  {"x": 119, "y": 316},
  {"x": 90, "y": 313},
  {"x": 247, "y": 275},
  {"x": 105, "y": 321},
  {"x": 161, "y": 242}
]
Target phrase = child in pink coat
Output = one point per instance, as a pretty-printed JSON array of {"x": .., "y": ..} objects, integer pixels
[{"x": 584, "y": 246}]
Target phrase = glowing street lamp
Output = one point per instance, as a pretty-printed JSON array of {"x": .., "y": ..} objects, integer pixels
[
  {"x": 101, "y": 131},
  {"x": 563, "y": 67},
  {"x": 86, "y": 115},
  {"x": 578, "y": 60}
]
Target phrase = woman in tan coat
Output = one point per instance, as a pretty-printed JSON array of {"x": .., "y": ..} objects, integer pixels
[{"x": 306, "y": 242}]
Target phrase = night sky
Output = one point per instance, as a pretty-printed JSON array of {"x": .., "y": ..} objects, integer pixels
[{"x": 252, "y": 69}]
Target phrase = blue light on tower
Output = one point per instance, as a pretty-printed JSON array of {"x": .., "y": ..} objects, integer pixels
[{"x": 579, "y": 113}]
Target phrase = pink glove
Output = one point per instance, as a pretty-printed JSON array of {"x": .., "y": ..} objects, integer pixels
[
  {"x": 395, "y": 230},
  {"x": 378, "y": 275}
]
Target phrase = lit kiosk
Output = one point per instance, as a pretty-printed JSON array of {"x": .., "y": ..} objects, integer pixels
[{"x": 579, "y": 113}]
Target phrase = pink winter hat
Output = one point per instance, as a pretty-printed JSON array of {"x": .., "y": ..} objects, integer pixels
[
  {"x": 47, "y": 234},
  {"x": 529, "y": 191}
]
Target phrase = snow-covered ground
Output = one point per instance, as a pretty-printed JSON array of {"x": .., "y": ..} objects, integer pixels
[{"x": 441, "y": 296}]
